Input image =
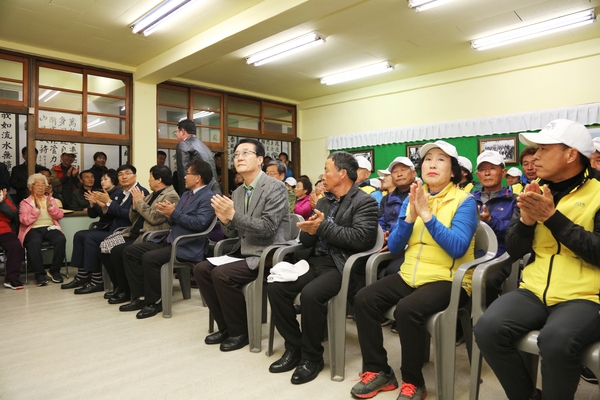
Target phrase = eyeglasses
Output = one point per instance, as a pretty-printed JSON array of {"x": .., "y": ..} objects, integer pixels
[
  {"x": 128, "y": 173},
  {"x": 190, "y": 173},
  {"x": 243, "y": 154},
  {"x": 39, "y": 184}
]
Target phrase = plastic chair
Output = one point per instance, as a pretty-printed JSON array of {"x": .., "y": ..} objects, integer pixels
[
  {"x": 184, "y": 267},
  {"x": 336, "y": 308},
  {"x": 46, "y": 246},
  {"x": 442, "y": 325},
  {"x": 254, "y": 292},
  {"x": 527, "y": 344}
]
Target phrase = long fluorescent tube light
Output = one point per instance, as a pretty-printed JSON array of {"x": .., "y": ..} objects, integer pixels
[
  {"x": 422, "y": 5},
  {"x": 149, "y": 22},
  {"x": 535, "y": 30},
  {"x": 286, "y": 48},
  {"x": 369, "y": 70},
  {"x": 95, "y": 123},
  {"x": 52, "y": 95},
  {"x": 46, "y": 93},
  {"x": 202, "y": 114}
]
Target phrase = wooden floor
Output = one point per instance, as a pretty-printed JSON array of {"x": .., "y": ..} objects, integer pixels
[{"x": 57, "y": 345}]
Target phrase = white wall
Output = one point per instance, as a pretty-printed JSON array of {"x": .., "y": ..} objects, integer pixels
[{"x": 553, "y": 78}]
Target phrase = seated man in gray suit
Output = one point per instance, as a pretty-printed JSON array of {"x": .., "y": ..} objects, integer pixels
[
  {"x": 258, "y": 215},
  {"x": 193, "y": 213}
]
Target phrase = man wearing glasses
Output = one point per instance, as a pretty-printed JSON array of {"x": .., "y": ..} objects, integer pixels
[{"x": 257, "y": 213}]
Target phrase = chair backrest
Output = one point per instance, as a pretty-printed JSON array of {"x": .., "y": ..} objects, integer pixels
[
  {"x": 294, "y": 230},
  {"x": 486, "y": 243}
]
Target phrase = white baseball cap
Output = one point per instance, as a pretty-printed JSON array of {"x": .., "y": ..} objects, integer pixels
[
  {"x": 444, "y": 146},
  {"x": 514, "y": 171},
  {"x": 567, "y": 132},
  {"x": 465, "y": 163},
  {"x": 290, "y": 181},
  {"x": 363, "y": 163},
  {"x": 398, "y": 160},
  {"x": 596, "y": 142},
  {"x": 491, "y": 156},
  {"x": 376, "y": 183}
]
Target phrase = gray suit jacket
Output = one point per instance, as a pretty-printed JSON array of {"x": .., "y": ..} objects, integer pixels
[
  {"x": 188, "y": 150},
  {"x": 266, "y": 222}
]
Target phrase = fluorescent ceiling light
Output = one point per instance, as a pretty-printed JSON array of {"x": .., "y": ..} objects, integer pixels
[
  {"x": 422, "y": 5},
  {"x": 149, "y": 22},
  {"x": 46, "y": 93},
  {"x": 51, "y": 96},
  {"x": 369, "y": 70},
  {"x": 286, "y": 48},
  {"x": 95, "y": 123},
  {"x": 202, "y": 114},
  {"x": 535, "y": 30}
]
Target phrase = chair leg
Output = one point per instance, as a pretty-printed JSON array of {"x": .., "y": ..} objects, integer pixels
[
  {"x": 211, "y": 323},
  {"x": 336, "y": 324},
  {"x": 445, "y": 345},
  {"x": 476, "y": 360},
  {"x": 107, "y": 282},
  {"x": 271, "y": 336},
  {"x": 254, "y": 316},
  {"x": 166, "y": 288},
  {"x": 185, "y": 283}
]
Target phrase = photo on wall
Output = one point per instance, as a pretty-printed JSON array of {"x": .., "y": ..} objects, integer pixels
[
  {"x": 507, "y": 147},
  {"x": 412, "y": 152},
  {"x": 368, "y": 154}
]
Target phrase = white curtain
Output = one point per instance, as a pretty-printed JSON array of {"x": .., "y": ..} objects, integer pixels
[{"x": 587, "y": 114}]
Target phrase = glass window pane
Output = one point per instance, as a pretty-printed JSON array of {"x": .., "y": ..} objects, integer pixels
[
  {"x": 207, "y": 118},
  {"x": 11, "y": 90},
  {"x": 11, "y": 70},
  {"x": 236, "y": 121},
  {"x": 208, "y": 134},
  {"x": 175, "y": 97},
  {"x": 171, "y": 114},
  {"x": 57, "y": 99},
  {"x": 241, "y": 107},
  {"x": 106, "y": 105},
  {"x": 206, "y": 101},
  {"x": 167, "y": 131},
  {"x": 59, "y": 120},
  {"x": 60, "y": 79},
  {"x": 99, "y": 124},
  {"x": 104, "y": 85},
  {"x": 278, "y": 113},
  {"x": 279, "y": 127}
]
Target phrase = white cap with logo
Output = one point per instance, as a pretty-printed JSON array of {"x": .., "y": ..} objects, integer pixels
[
  {"x": 562, "y": 131},
  {"x": 491, "y": 156},
  {"x": 363, "y": 163},
  {"x": 444, "y": 146},
  {"x": 398, "y": 160},
  {"x": 514, "y": 171}
]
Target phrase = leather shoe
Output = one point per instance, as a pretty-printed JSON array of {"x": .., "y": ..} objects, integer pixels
[
  {"x": 90, "y": 288},
  {"x": 120, "y": 297},
  {"x": 217, "y": 337},
  {"x": 149, "y": 311},
  {"x": 306, "y": 371},
  {"x": 287, "y": 362},
  {"x": 234, "y": 342},
  {"x": 74, "y": 284},
  {"x": 111, "y": 293},
  {"x": 136, "y": 304}
]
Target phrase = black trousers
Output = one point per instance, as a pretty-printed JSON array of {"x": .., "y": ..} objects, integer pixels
[
  {"x": 33, "y": 244},
  {"x": 565, "y": 329},
  {"x": 221, "y": 288},
  {"x": 14, "y": 255},
  {"x": 142, "y": 268},
  {"x": 316, "y": 287},
  {"x": 413, "y": 306},
  {"x": 115, "y": 267},
  {"x": 86, "y": 249}
]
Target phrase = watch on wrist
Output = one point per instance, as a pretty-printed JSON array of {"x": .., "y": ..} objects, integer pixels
[{"x": 108, "y": 203}]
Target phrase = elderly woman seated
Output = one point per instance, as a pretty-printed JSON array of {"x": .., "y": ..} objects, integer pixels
[
  {"x": 39, "y": 215},
  {"x": 438, "y": 234}
]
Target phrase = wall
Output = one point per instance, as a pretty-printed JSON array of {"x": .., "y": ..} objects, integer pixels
[{"x": 551, "y": 78}]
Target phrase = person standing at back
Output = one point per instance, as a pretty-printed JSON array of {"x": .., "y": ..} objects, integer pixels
[{"x": 191, "y": 148}]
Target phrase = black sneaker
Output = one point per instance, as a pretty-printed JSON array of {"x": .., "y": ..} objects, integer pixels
[
  {"x": 14, "y": 285},
  {"x": 372, "y": 383},
  {"x": 41, "y": 280},
  {"x": 586, "y": 374},
  {"x": 56, "y": 277}
]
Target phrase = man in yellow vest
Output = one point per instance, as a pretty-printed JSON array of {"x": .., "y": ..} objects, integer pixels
[{"x": 558, "y": 221}]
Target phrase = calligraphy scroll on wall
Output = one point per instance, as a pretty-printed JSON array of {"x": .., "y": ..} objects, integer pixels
[{"x": 8, "y": 140}]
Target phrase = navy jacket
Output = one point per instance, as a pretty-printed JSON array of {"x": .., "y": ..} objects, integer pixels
[
  {"x": 501, "y": 210},
  {"x": 118, "y": 211}
]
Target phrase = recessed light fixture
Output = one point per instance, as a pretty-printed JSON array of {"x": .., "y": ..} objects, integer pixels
[
  {"x": 149, "y": 22},
  {"x": 422, "y": 5},
  {"x": 535, "y": 30},
  {"x": 286, "y": 48},
  {"x": 369, "y": 70}
]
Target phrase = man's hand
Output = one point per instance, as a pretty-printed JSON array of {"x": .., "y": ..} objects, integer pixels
[
  {"x": 223, "y": 207},
  {"x": 102, "y": 197},
  {"x": 311, "y": 225},
  {"x": 165, "y": 207},
  {"x": 73, "y": 171},
  {"x": 484, "y": 214},
  {"x": 535, "y": 206},
  {"x": 89, "y": 196},
  {"x": 136, "y": 195}
]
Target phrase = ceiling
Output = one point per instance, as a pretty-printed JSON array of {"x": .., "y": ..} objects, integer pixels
[{"x": 208, "y": 43}]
